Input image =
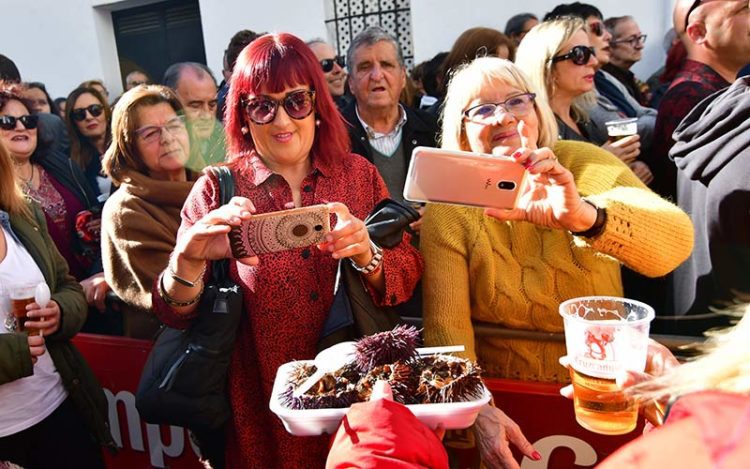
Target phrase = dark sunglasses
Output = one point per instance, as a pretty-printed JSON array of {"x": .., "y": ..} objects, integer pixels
[
  {"x": 28, "y": 121},
  {"x": 297, "y": 104},
  {"x": 692, "y": 8},
  {"x": 327, "y": 64},
  {"x": 79, "y": 114},
  {"x": 579, "y": 55},
  {"x": 597, "y": 28}
]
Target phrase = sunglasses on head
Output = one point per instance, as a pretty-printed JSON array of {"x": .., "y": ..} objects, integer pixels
[
  {"x": 79, "y": 114},
  {"x": 28, "y": 121},
  {"x": 579, "y": 55},
  {"x": 327, "y": 64},
  {"x": 297, "y": 104},
  {"x": 597, "y": 28}
]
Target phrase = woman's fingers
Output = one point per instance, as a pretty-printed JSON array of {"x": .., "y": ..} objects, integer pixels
[
  {"x": 527, "y": 139},
  {"x": 243, "y": 203}
]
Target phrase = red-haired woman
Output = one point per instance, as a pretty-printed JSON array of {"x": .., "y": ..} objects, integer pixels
[{"x": 288, "y": 148}]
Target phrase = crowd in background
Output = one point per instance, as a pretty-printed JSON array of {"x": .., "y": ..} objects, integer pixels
[{"x": 129, "y": 221}]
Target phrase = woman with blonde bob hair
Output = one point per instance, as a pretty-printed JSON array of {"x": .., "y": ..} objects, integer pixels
[
  {"x": 581, "y": 213},
  {"x": 558, "y": 58},
  {"x": 147, "y": 156}
]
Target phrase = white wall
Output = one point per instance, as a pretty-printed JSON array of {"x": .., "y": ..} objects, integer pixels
[
  {"x": 63, "y": 42},
  {"x": 304, "y": 18},
  {"x": 433, "y": 32},
  {"x": 58, "y": 42}
]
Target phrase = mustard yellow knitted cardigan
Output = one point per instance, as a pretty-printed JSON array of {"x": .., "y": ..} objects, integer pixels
[{"x": 515, "y": 274}]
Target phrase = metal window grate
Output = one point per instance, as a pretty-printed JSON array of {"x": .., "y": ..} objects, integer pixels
[{"x": 347, "y": 18}]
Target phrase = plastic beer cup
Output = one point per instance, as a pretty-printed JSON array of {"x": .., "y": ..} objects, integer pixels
[
  {"x": 605, "y": 336},
  {"x": 621, "y": 128},
  {"x": 21, "y": 296}
]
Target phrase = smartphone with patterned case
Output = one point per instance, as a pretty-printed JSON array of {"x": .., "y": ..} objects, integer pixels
[
  {"x": 280, "y": 231},
  {"x": 463, "y": 178}
]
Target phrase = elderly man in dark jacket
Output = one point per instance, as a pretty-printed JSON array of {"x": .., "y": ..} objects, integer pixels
[{"x": 381, "y": 129}]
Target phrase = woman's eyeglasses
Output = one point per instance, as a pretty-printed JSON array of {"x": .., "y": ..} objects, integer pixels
[
  {"x": 297, "y": 104},
  {"x": 597, "y": 27},
  {"x": 153, "y": 133},
  {"x": 634, "y": 41},
  {"x": 28, "y": 121},
  {"x": 327, "y": 64},
  {"x": 79, "y": 114},
  {"x": 484, "y": 113},
  {"x": 579, "y": 55}
]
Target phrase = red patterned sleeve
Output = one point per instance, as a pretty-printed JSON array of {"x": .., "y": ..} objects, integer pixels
[
  {"x": 402, "y": 265},
  {"x": 203, "y": 198}
]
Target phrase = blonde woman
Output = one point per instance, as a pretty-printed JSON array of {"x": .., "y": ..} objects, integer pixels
[
  {"x": 53, "y": 409},
  {"x": 558, "y": 59},
  {"x": 585, "y": 213},
  {"x": 150, "y": 146}
]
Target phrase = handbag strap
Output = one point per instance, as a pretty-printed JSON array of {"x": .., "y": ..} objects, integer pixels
[{"x": 220, "y": 268}]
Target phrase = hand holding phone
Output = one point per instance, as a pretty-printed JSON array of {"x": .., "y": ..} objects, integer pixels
[
  {"x": 280, "y": 231},
  {"x": 463, "y": 178}
]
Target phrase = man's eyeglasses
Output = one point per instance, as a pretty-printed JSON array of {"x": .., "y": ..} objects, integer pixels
[
  {"x": 153, "y": 133},
  {"x": 518, "y": 106},
  {"x": 327, "y": 64},
  {"x": 79, "y": 114},
  {"x": 297, "y": 104},
  {"x": 579, "y": 55},
  {"x": 634, "y": 41},
  {"x": 597, "y": 28},
  {"x": 28, "y": 121}
]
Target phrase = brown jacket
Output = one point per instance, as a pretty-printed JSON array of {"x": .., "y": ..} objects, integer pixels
[{"x": 139, "y": 228}]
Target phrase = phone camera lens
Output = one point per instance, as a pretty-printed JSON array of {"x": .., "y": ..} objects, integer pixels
[
  {"x": 318, "y": 227},
  {"x": 506, "y": 185},
  {"x": 300, "y": 230}
]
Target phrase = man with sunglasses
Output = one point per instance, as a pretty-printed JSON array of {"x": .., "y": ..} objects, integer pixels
[
  {"x": 716, "y": 36},
  {"x": 626, "y": 47},
  {"x": 333, "y": 69},
  {"x": 195, "y": 87}
]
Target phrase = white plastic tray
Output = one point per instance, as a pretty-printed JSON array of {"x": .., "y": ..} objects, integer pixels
[{"x": 308, "y": 422}]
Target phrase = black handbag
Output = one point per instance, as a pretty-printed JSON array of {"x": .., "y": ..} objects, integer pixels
[
  {"x": 184, "y": 381},
  {"x": 353, "y": 314}
]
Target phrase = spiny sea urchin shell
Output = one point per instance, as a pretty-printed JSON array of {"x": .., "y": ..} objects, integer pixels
[
  {"x": 447, "y": 379},
  {"x": 401, "y": 376},
  {"x": 383, "y": 348}
]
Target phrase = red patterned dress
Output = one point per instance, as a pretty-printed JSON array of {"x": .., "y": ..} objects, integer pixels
[{"x": 287, "y": 298}]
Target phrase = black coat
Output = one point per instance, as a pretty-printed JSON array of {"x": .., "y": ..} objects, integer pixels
[{"x": 421, "y": 129}]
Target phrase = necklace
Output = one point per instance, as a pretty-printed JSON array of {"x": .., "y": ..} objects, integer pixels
[{"x": 27, "y": 183}]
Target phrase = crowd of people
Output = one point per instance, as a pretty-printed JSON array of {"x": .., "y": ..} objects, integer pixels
[{"x": 106, "y": 200}]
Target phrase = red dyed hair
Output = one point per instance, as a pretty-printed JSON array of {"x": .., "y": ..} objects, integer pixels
[{"x": 270, "y": 64}]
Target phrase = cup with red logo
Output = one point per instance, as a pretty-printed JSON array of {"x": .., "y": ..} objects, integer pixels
[{"x": 605, "y": 336}]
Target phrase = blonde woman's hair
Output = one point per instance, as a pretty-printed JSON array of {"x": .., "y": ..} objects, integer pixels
[
  {"x": 467, "y": 83},
  {"x": 534, "y": 57},
  {"x": 12, "y": 199},
  {"x": 122, "y": 153},
  {"x": 725, "y": 366}
]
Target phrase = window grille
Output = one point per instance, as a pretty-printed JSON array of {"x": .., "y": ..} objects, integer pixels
[{"x": 347, "y": 18}]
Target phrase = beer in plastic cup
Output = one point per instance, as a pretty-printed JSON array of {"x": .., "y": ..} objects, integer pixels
[
  {"x": 21, "y": 296},
  {"x": 621, "y": 128},
  {"x": 604, "y": 336}
]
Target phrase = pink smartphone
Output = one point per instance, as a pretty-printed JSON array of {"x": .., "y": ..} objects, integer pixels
[
  {"x": 463, "y": 178},
  {"x": 280, "y": 231}
]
